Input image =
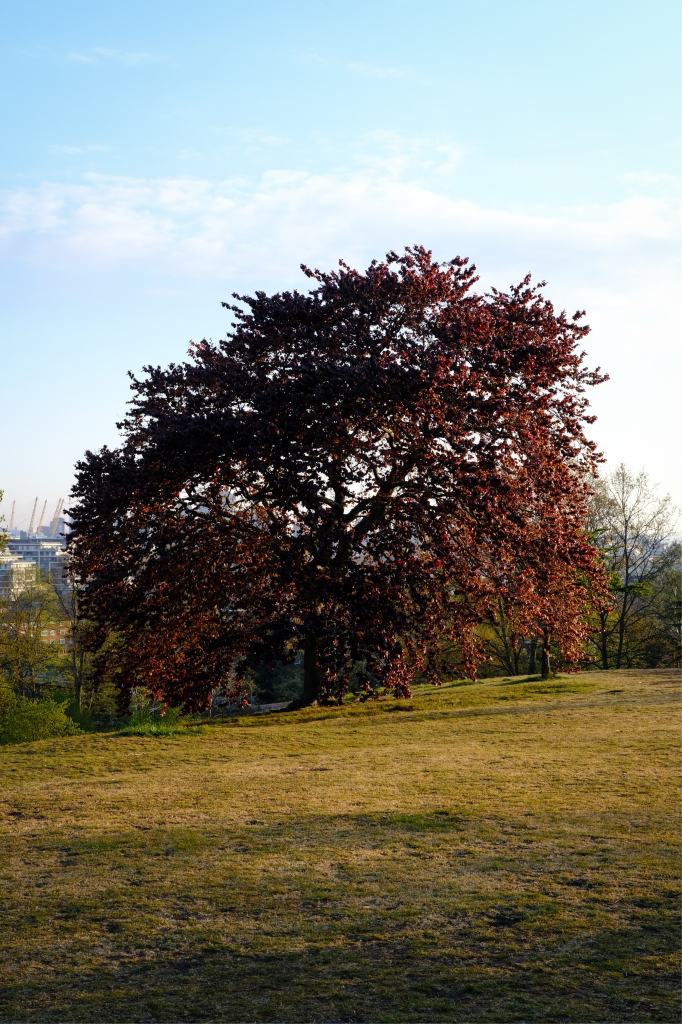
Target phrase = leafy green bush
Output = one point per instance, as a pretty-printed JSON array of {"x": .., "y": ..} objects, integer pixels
[
  {"x": 82, "y": 718},
  {"x": 29, "y": 720},
  {"x": 146, "y": 723},
  {"x": 171, "y": 716},
  {"x": 7, "y": 699}
]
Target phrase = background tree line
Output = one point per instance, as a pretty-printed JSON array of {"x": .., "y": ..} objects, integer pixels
[
  {"x": 48, "y": 688},
  {"x": 633, "y": 527}
]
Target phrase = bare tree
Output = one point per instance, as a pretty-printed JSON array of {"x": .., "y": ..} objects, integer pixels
[
  {"x": 667, "y": 612},
  {"x": 503, "y": 642},
  {"x": 3, "y": 533},
  {"x": 68, "y": 596},
  {"x": 634, "y": 527}
]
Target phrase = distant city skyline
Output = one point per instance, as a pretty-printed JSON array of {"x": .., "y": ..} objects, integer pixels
[
  {"x": 18, "y": 515},
  {"x": 158, "y": 157}
]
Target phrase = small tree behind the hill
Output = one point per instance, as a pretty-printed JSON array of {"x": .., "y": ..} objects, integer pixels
[
  {"x": 634, "y": 526},
  {"x": 360, "y": 473},
  {"x": 30, "y": 664}
]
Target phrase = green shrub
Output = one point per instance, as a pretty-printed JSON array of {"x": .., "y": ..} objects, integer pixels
[
  {"x": 144, "y": 723},
  {"x": 7, "y": 700},
  {"x": 171, "y": 716},
  {"x": 82, "y": 718},
  {"x": 276, "y": 683},
  {"x": 30, "y": 720}
]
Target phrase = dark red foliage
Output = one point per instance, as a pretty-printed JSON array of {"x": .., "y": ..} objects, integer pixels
[{"x": 359, "y": 472}]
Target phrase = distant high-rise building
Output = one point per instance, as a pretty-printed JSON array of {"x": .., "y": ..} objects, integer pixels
[
  {"x": 27, "y": 550},
  {"x": 24, "y": 553}
]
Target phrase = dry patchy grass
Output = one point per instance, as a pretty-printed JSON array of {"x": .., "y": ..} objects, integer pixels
[{"x": 506, "y": 851}]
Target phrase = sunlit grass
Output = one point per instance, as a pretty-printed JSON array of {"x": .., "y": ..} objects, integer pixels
[
  {"x": 159, "y": 727},
  {"x": 505, "y": 851}
]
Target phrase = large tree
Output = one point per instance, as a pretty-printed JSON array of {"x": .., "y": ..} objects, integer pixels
[{"x": 361, "y": 472}]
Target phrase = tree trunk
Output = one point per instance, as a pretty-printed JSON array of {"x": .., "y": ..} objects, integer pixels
[
  {"x": 311, "y": 675},
  {"x": 544, "y": 672},
  {"x": 532, "y": 653},
  {"x": 508, "y": 664},
  {"x": 621, "y": 631},
  {"x": 603, "y": 616},
  {"x": 77, "y": 679}
]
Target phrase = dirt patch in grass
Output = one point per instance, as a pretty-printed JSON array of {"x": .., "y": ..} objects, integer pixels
[{"x": 472, "y": 859}]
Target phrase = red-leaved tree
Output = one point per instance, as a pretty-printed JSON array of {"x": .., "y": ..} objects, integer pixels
[{"x": 360, "y": 472}]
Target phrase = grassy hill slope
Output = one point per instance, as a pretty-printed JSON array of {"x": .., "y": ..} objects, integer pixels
[{"x": 505, "y": 851}]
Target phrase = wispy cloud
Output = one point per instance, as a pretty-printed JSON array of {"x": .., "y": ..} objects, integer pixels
[
  {"x": 76, "y": 150},
  {"x": 356, "y": 68},
  {"x": 251, "y": 137},
  {"x": 370, "y": 71},
  {"x": 620, "y": 256},
  {"x": 619, "y": 260},
  {"x": 99, "y": 54},
  {"x": 82, "y": 58},
  {"x": 238, "y": 228},
  {"x": 650, "y": 178},
  {"x": 414, "y": 157}
]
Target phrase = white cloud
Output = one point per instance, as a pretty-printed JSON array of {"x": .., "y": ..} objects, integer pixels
[
  {"x": 76, "y": 150},
  {"x": 191, "y": 227},
  {"x": 82, "y": 58},
  {"x": 650, "y": 178},
  {"x": 370, "y": 71},
  {"x": 253, "y": 137},
  {"x": 102, "y": 53},
  {"x": 415, "y": 158},
  {"x": 356, "y": 68},
  {"x": 619, "y": 260}
]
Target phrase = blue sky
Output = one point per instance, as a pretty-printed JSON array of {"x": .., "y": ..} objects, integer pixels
[{"x": 157, "y": 157}]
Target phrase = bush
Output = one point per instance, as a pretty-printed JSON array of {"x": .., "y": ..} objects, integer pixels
[
  {"x": 100, "y": 700},
  {"x": 272, "y": 684},
  {"x": 171, "y": 716},
  {"x": 29, "y": 720},
  {"x": 152, "y": 723},
  {"x": 7, "y": 699},
  {"x": 82, "y": 718}
]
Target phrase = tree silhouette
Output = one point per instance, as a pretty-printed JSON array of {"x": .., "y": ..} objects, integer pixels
[{"x": 360, "y": 472}]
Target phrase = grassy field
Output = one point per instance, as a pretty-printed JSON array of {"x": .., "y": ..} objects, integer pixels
[{"x": 506, "y": 851}]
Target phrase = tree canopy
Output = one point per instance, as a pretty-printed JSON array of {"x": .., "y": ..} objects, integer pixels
[{"x": 361, "y": 472}]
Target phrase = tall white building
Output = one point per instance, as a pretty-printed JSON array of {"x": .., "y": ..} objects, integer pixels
[{"x": 24, "y": 553}]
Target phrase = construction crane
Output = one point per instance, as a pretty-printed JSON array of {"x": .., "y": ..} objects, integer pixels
[
  {"x": 42, "y": 516},
  {"x": 55, "y": 517},
  {"x": 33, "y": 515}
]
